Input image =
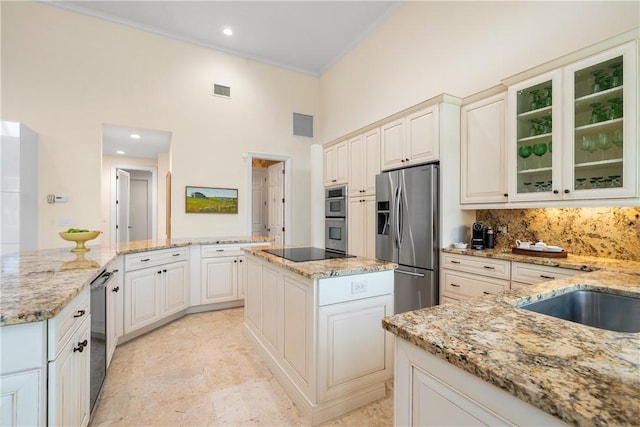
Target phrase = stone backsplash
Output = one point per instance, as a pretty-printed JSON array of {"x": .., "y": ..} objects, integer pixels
[{"x": 604, "y": 232}]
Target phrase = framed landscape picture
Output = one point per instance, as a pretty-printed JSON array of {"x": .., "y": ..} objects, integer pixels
[{"x": 211, "y": 200}]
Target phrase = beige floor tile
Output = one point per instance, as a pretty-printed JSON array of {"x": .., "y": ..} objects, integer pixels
[{"x": 201, "y": 371}]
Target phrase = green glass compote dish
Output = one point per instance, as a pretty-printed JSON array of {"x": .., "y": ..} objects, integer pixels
[
  {"x": 540, "y": 150},
  {"x": 524, "y": 151}
]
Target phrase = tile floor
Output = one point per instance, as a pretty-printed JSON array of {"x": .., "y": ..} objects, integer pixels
[{"x": 201, "y": 371}]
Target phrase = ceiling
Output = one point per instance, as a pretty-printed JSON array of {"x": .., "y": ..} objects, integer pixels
[
  {"x": 303, "y": 35},
  {"x": 149, "y": 145}
]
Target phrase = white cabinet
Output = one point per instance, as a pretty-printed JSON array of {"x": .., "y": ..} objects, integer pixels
[
  {"x": 572, "y": 132},
  {"x": 523, "y": 274},
  {"x": 23, "y": 374},
  {"x": 483, "y": 154},
  {"x": 466, "y": 276},
  {"x": 69, "y": 349},
  {"x": 361, "y": 227},
  {"x": 364, "y": 164},
  {"x": 222, "y": 274},
  {"x": 69, "y": 380},
  {"x": 429, "y": 391},
  {"x": 336, "y": 164},
  {"x": 305, "y": 330},
  {"x": 155, "y": 292},
  {"x": 115, "y": 307},
  {"x": 411, "y": 140}
]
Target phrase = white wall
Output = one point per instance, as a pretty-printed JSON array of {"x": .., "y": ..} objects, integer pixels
[
  {"x": 65, "y": 75},
  {"x": 460, "y": 48}
]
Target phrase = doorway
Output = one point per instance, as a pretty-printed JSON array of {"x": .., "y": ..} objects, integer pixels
[{"x": 270, "y": 190}]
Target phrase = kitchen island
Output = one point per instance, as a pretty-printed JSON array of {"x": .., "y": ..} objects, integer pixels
[
  {"x": 316, "y": 324},
  {"x": 485, "y": 361}
]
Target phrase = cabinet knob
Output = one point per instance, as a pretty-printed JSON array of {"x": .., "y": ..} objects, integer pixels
[
  {"x": 164, "y": 270},
  {"x": 506, "y": 194},
  {"x": 80, "y": 313},
  {"x": 402, "y": 160},
  {"x": 81, "y": 346},
  {"x": 566, "y": 191},
  {"x": 407, "y": 160},
  {"x": 240, "y": 260},
  {"x": 235, "y": 260},
  {"x": 159, "y": 271},
  {"x": 555, "y": 191},
  {"x": 116, "y": 289}
]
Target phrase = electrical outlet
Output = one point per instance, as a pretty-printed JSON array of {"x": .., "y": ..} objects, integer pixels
[
  {"x": 504, "y": 229},
  {"x": 358, "y": 287}
]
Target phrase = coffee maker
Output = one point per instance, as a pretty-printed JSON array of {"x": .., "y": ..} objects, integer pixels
[{"x": 477, "y": 236}]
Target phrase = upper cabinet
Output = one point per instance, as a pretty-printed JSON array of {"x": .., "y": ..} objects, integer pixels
[
  {"x": 364, "y": 164},
  {"x": 411, "y": 140},
  {"x": 336, "y": 163},
  {"x": 572, "y": 132},
  {"x": 483, "y": 153}
]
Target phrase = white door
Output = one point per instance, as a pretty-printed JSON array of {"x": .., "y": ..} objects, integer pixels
[
  {"x": 276, "y": 203},
  {"x": 122, "y": 206},
  {"x": 259, "y": 202},
  {"x": 139, "y": 209}
]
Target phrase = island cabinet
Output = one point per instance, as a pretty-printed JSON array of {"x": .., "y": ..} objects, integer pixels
[
  {"x": 156, "y": 286},
  {"x": 429, "y": 391},
  {"x": 321, "y": 338}
]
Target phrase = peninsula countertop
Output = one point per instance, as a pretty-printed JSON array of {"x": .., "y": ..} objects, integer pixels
[
  {"x": 320, "y": 269},
  {"x": 36, "y": 285},
  {"x": 560, "y": 367}
]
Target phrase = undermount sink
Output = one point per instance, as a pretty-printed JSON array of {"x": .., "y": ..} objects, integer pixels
[{"x": 592, "y": 308}]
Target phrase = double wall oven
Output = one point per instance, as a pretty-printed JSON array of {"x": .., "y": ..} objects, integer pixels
[{"x": 335, "y": 212}]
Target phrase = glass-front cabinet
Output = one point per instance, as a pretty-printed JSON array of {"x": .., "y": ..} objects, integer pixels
[
  {"x": 536, "y": 105},
  {"x": 573, "y": 131}
]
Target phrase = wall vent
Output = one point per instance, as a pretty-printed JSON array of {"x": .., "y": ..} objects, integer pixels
[
  {"x": 302, "y": 125},
  {"x": 220, "y": 90}
]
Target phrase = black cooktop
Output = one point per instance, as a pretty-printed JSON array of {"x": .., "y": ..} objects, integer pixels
[{"x": 306, "y": 254}]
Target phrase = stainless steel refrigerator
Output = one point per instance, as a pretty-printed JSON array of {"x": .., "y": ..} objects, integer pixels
[{"x": 407, "y": 226}]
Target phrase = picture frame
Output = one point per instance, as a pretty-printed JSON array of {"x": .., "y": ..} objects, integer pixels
[{"x": 211, "y": 200}]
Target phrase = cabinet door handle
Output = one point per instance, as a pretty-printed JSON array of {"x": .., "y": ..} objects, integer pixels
[
  {"x": 178, "y": 254},
  {"x": 81, "y": 346},
  {"x": 489, "y": 267},
  {"x": 547, "y": 277},
  {"x": 145, "y": 260},
  {"x": 486, "y": 293},
  {"x": 79, "y": 313},
  {"x": 116, "y": 289},
  {"x": 454, "y": 285},
  {"x": 219, "y": 250},
  {"x": 453, "y": 261}
]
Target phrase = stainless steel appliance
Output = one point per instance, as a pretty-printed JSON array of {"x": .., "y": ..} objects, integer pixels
[
  {"x": 477, "y": 238},
  {"x": 407, "y": 223},
  {"x": 335, "y": 233},
  {"x": 98, "y": 356}
]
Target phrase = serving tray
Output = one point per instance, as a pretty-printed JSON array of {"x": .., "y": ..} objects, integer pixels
[{"x": 545, "y": 254}]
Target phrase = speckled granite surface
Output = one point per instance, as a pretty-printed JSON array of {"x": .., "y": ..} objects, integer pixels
[
  {"x": 561, "y": 367},
  {"x": 324, "y": 268},
  {"x": 36, "y": 285}
]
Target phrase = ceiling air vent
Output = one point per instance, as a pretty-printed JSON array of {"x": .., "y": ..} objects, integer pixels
[
  {"x": 220, "y": 90},
  {"x": 302, "y": 125}
]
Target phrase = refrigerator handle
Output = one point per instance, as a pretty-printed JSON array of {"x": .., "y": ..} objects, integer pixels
[
  {"x": 399, "y": 216},
  {"x": 396, "y": 208}
]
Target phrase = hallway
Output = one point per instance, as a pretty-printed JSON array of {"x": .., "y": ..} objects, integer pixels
[{"x": 201, "y": 371}]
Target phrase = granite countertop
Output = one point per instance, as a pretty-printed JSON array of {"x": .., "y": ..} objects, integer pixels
[
  {"x": 36, "y": 285},
  {"x": 560, "y": 367},
  {"x": 323, "y": 268}
]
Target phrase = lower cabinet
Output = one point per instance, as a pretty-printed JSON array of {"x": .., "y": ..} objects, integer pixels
[
  {"x": 69, "y": 380},
  {"x": 154, "y": 293},
  {"x": 429, "y": 391},
  {"x": 222, "y": 279},
  {"x": 115, "y": 313},
  {"x": 321, "y": 338},
  {"x": 23, "y": 374},
  {"x": 465, "y": 276}
]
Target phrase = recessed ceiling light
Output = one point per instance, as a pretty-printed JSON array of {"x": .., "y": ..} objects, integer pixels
[
  {"x": 227, "y": 31},
  {"x": 134, "y": 136},
  {"x": 120, "y": 152}
]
